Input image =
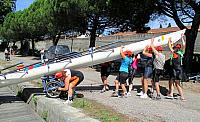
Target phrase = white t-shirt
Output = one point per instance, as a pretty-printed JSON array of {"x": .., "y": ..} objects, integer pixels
[
  {"x": 68, "y": 72},
  {"x": 159, "y": 61}
]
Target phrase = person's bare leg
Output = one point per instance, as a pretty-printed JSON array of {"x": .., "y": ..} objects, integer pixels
[
  {"x": 142, "y": 81},
  {"x": 171, "y": 88},
  {"x": 116, "y": 85},
  {"x": 130, "y": 87},
  {"x": 153, "y": 86},
  {"x": 70, "y": 90},
  {"x": 157, "y": 88},
  {"x": 124, "y": 89},
  {"x": 145, "y": 85},
  {"x": 180, "y": 91},
  {"x": 104, "y": 80}
]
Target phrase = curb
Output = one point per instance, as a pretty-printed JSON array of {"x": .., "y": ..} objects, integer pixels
[{"x": 50, "y": 109}]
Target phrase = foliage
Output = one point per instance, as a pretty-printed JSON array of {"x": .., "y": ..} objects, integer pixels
[
  {"x": 183, "y": 12},
  {"x": 45, "y": 115},
  {"x": 55, "y": 17},
  {"x": 130, "y": 15},
  {"x": 6, "y": 6}
]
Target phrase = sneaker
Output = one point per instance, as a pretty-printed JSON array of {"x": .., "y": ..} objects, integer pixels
[
  {"x": 68, "y": 102},
  {"x": 140, "y": 94},
  {"x": 107, "y": 88},
  {"x": 128, "y": 94},
  {"x": 103, "y": 90},
  {"x": 144, "y": 96},
  {"x": 152, "y": 96},
  {"x": 169, "y": 97},
  {"x": 123, "y": 95},
  {"x": 158, "y": 97},
  {"x": 114, "y": 94},
  {"x": 183, "y": 99}
]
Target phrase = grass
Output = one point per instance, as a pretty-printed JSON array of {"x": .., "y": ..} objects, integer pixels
[
  {"x": 99, "y": 111},
  {"x": 5, "y": 64},
  {"x": 19, "y": 93},
  {"x": 35, "y": 100},
  {"x": 45, "y": 115}
]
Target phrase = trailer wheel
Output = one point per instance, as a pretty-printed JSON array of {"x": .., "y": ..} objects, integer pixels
[{"x": 52, "y": 90}]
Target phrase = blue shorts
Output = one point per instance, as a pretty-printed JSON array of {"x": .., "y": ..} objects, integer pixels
[{"x": 148, "y": 71}]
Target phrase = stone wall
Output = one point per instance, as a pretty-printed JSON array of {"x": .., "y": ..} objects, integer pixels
[{"x": 83, "y": 44}]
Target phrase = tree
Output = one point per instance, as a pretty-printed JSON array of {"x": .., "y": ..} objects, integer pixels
[
  {"x": 183, "y": 12},
  {"x": 6, "y": 6},
  {"x": 63, "y": 15},
  {"x": 169, "y": 25},
  {"x": 96, "y": 18},
  {"x": 129, "y": 15},
  {"x": 161, "y": 26}
]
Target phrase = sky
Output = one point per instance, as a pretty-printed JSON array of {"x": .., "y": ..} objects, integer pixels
[{"x": 22, "y": 4}]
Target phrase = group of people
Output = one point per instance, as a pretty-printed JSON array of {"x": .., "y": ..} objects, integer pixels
[
  {"x": 10, "y": 51},
  {"x": 153, "y": 69}
]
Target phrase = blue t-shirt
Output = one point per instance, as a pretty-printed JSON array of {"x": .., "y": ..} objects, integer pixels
[{"x": 125, "y": 64}]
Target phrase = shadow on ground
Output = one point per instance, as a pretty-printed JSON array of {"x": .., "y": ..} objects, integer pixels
[
  {"x": 27, "y": 92},
  {"x": 9, "y": 99}
]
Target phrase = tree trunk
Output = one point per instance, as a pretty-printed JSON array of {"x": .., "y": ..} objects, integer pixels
[
  {"x": 33, "y": 46},
  {"x": 93, "y": 32},
  {"x": 191, "y": 35},
  {"x": 22, "y": 46},
  {"x": 56, "y": 39}
]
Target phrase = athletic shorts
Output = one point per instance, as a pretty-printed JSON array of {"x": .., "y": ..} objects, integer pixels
[
  {"x": 148, "y": 71},
  {"x": 176, "y": 74},
  {"x": 156, "y": 74},
  {"x": 122, "y": 77},
  {"x": 105, "y": 73},
  {"x": 75, "y": 80}
]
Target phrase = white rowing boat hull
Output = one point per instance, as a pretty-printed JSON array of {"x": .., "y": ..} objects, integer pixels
[{"x": 84, "y": 61}]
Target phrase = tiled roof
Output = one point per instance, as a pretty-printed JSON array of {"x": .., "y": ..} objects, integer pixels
[{"x": 153, "y": 31}]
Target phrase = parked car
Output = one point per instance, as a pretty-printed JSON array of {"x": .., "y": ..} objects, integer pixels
[
  {"x": 55, "y": 51},
  {"x": 60, "y": 51}
]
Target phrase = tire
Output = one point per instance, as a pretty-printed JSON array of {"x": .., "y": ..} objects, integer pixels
[{"x": 52, "y": 91}]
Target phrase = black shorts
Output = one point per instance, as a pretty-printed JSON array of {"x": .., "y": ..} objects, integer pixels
[
  {"x": 81, "y": 78},
  {"x": 105, "y": 72},
  {"x": 122, "y": 77},
  {"x": 156, "y": 74},
  {"x": 176, "y": 74},
  {"x": 132, "y": 72}
]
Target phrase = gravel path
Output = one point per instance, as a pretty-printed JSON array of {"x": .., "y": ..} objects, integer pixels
[
  {"x": 139, "y": 109},
  {"x": 145, "y": 109}
]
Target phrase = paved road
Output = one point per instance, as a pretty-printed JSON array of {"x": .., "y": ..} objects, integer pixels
[{"x": 12, "y": 108}]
